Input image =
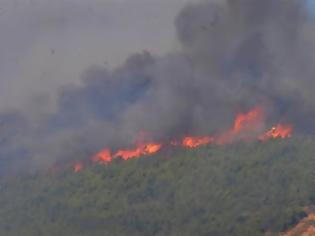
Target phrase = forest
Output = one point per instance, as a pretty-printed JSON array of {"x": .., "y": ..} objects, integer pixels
[{"x": 238, "y": 189}]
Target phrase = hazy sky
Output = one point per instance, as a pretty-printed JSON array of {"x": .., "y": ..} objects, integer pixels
[
  {"x": 311, "y": 5},
  {"x": 46, "y": 43}
]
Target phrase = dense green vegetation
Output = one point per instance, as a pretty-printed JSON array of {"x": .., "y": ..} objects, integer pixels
[{"x": 241, "y": 189}]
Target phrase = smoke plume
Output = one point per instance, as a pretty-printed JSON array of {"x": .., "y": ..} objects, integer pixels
[{"x": 234, "y": 54}]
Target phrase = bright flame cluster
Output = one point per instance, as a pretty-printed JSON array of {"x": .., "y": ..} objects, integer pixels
[
  {"x": 278, "y": 131},
  {"x": 105, "y": 156},
  {"x": 246, "y": 126}
]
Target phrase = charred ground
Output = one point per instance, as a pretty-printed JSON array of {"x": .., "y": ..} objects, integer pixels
[{"x": 238, "y": 189}]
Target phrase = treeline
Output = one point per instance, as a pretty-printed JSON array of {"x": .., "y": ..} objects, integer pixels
[{"x": 240, "y": 189}]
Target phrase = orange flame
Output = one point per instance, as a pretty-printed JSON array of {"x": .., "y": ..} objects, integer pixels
[
  {"x": 249, "y": 121},
  {"x": 77, "y": 167},
  {"x": 142, "y": 149},
  {"x": 152, "y": 148},
  {"x": 279, "y": 131},
  {"x": 103, "y": 157},
  {"x": 193, "y": 142},
  {"x": 246, "y": 126}
]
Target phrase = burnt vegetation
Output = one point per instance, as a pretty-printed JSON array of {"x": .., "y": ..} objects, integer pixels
[{"x": 238, "y": 189}]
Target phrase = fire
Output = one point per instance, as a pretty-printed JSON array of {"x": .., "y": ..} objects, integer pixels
[
  {"x": 193, "y": 142},
  {"x": 249, "y": 121},
  {"x": 140, "y": 150},
  {"x": 152, "y": 148},
  {"x": 279, "y": 131},
  {"x": 246, "y": 127},
  {"x": 128, "y": 154},
  {"x": 77, "y": 167},
  {"x": 103, "y": 157}
]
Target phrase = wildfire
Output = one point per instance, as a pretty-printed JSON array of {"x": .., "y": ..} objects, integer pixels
[
  {"x": 193, "y": 142},
  {"x": 77, "y": 167},
  {"x": 249, "y": 121},
  {"x": 103, "y": 157},
  {"x": 246, "y": 126},
  {"x": 279, "y": 131},
  {"x": 152, "y": 148},
  {"x": 141, "y": 150}
]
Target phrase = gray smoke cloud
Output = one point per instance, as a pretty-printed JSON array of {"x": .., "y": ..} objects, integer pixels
[
  {"x": 46, "y": 44},
  {"x": 233, "y": 55}
]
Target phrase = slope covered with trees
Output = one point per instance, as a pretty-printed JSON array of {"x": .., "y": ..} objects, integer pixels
[{"x": 240, "y": 189}]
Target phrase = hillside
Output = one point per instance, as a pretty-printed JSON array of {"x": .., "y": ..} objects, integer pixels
[
  {"x": 306, "y": 227},
  {"x": 239, "y": 189}
]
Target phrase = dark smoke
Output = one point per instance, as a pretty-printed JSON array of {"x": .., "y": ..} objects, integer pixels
[{"x": 235, "y": 54}]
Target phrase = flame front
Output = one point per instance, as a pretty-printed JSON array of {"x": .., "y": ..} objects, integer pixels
[
  {"x": 248, "y": 121},
  {"x": 140, "y": 150},
  {"x": 279, "y": 131},
  {"x": 193, "y": 142},
  {"x": 77, "y": 167},
  {"x": 128, "y": 154},
  {"x": 103, "y": 157},
  {"x": 152, "y": 148},
  {"x": 246, "y": 126}
]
